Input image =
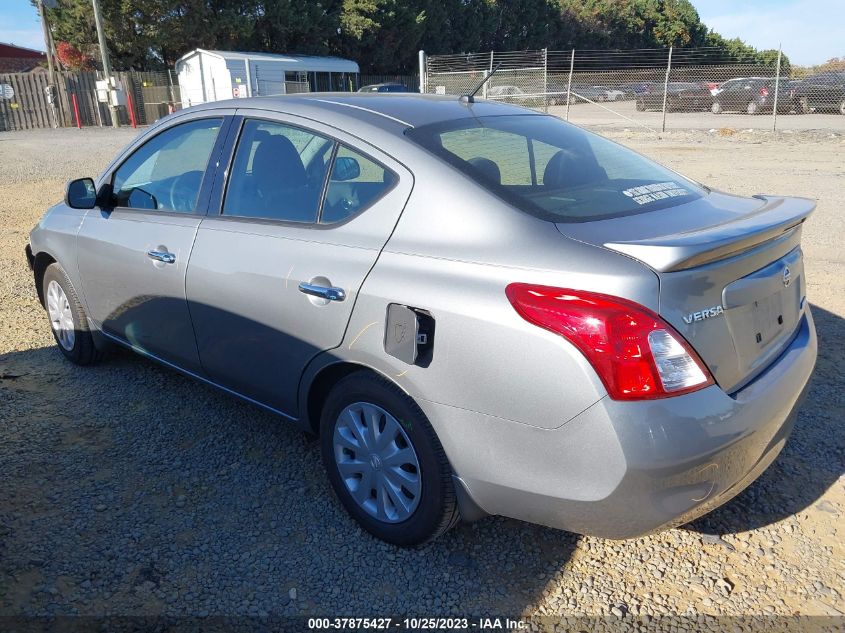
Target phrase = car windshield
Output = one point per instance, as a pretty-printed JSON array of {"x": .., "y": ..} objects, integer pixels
[{"x": 554, "y": 170}]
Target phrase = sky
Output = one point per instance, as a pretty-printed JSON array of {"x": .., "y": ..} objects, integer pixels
[{"x": 811, "y": 31}]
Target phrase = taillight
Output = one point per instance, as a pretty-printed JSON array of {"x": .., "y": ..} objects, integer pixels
[
  {"x": 637, "y": 355},
  {"x": 764, "y": 92}
]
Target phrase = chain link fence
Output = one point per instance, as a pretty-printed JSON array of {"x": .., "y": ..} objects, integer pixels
[{"x": 656, "y": 89}]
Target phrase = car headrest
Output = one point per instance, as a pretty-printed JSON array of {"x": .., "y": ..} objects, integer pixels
[
  {"x": 489, "y": 169},
  {"x": 276, "y": 161},
  {"x": 569, "y": 169}
]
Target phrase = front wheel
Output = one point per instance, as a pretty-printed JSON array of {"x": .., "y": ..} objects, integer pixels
[
  {"x": 716, "y": 108},
  {"x": 68, "y": 321},
  {"x": 753, "y": 107},
  {"x": 385, "y": 462},
  {"x": 842, "y": 107}
]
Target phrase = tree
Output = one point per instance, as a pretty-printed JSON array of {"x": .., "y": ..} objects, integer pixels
[
  {"x": 72, "y": 58},
  {"x": 384, "y": 35}
]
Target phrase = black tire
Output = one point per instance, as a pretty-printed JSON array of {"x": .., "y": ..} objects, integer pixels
[
  {"x": 437, "y": 510},
  {"x": 753, "y": 108},
  {"x": 83, "y": 351},
  {"x": 716, "y": 108},
  {"x": 640, "y": 106}
]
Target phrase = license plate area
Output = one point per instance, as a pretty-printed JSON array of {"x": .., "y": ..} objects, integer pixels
[
  {"x": 767, "y": 317},
  {"x": 764, "y": 308}
]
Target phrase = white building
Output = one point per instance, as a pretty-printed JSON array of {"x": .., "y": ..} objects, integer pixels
[{"x": 214, "y": 75}]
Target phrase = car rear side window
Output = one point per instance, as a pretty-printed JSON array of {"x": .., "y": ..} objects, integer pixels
[
  {"x": 554, "y": 170},
  {"x": 278, "y": 173},
  {"x": 356, "y": 182},
  {"x": 166, "y": 172}
]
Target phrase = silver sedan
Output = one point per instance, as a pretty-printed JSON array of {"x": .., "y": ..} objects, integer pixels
[{"x": 478, "y": 308}]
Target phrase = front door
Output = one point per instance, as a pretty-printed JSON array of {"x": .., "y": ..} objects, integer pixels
[
  {"x": 274, "y": 276},
  {"x": 133, "y": 254}
]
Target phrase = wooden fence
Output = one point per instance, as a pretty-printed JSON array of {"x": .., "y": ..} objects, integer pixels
[{"x": 24, "y": 104}]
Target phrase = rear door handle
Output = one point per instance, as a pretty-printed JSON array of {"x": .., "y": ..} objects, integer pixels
[
  {"x": 330, "y": 293},
  {"x": 162, "y": 256}
]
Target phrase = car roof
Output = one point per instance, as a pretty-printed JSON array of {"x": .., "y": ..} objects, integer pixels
[{"x": 395, "y": 112}]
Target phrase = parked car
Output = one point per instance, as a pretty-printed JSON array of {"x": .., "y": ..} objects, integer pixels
[
  {"x": 633, "y": 89},
  {"x": 557, "y": 90},
  {"x": 822, "y": 92},
  {"x": 508, "y": 94},
  {"x": 754, "y": 96},
  {"x": 573, "y": 336},
  {"x": 385, "y": 87},
  {"x": 597, "y": 93},
  {"x": 726, "y": 85},
  {"x": 683, "y": 96}
]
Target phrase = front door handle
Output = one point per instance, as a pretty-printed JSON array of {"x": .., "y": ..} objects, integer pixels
[
  {"x": 162, "y": 256},
  {"x": 330, "y": 293}
]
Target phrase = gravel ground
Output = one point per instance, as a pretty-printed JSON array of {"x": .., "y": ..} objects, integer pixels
[{"x": 129, "y": 489}]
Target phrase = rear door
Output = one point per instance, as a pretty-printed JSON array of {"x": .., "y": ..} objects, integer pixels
[
  {"x": 133, "y": 253},
  {"x": 297, "y": 224}
]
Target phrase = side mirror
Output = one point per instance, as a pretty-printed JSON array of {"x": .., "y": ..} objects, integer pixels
[
  {"x": 81, "y": 194},
  {"x": 345, "y": 168}
]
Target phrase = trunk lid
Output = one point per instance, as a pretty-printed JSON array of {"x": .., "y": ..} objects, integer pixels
[{"x": 731, "y": 274}]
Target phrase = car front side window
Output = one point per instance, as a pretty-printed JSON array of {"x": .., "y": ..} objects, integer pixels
[{"x": 166, "y": 172}]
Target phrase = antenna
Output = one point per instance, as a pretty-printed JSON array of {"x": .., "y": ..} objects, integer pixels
[{"x": 470, "y": 98}]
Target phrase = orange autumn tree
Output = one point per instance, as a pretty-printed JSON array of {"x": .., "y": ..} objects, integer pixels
[{"x": 72, "y": 58}]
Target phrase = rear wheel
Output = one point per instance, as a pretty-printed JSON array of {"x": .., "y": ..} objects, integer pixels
[
  {"x": 716, "y": 108},
  {"x": 842, "y": 107},
  {"x": 753, "y": 107},
  {"x": 385, "y": 462},
  {"x": 640, "y": 106},
  {"x": 68, "y": 321}
]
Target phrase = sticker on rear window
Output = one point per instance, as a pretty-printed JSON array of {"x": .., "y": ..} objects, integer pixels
[{"x": 657, "y": 191}]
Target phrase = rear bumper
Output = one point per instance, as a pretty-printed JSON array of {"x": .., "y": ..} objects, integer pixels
[{"x": 623, "y": 469}]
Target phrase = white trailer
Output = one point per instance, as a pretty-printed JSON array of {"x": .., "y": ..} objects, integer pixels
[{"x": 206, "y": 75}]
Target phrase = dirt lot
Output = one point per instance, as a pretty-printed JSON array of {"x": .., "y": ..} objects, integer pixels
[{"x": 128, "y": 489}]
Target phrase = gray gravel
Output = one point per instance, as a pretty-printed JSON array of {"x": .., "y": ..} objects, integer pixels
[{"x": 129, "y": 489}]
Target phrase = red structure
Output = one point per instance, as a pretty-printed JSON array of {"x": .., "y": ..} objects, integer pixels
[{"x": 17, "y": 59}]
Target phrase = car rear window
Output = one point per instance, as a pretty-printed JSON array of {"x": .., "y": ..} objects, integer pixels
[{"x": 554, "y": 170}]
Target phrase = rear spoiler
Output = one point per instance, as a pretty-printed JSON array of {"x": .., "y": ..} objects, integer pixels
[{"x": 679, "y": 251}]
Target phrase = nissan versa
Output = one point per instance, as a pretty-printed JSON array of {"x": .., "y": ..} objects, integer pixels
[{"x": 480, "y": 309}]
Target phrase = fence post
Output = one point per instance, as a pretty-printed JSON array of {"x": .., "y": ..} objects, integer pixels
[
  {"x": 423, "y": 81},
  {"x": 666, "y": 87},
  {"x": 546, "y": 80},
  {"x": 777, "y": 90},
  {"x": 569, "y": 83},
  {"x": 170, "y": 92}
]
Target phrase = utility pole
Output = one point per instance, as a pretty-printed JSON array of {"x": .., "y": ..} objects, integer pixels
[
  {"x": 48, "y": 44},
  {"x": 104, "y": 52}
]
